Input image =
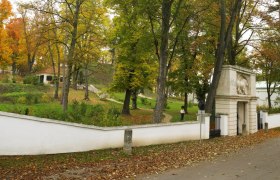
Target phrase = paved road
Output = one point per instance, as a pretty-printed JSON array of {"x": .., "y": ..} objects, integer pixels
[{"x": 260, "y": 162}]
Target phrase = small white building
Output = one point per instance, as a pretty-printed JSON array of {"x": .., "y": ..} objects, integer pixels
[
  {"x": 261, "y": 93},
  {"x": 46, "y": 76}
]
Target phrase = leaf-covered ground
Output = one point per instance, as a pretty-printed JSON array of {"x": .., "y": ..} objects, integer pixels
[{"x": 114, "y": 164}]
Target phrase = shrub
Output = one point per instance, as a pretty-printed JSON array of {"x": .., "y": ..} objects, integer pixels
[
  {"x": 31, "y": 79},
  {"x": 46, "y": 98},
  {"x": 29, "y": 98},
  {"x": 21, "y": 100},
  {"x": 95, "y": 114},
  {"x": 274, "y": 110},
  {"x": 22, "y": 97},
  {"x": 74, "y": 112},
  {"x": 112, "y": 118},
  {"x": 83, "y": 108},
  {"x": 144, "y": 101},
  {"x": 6, "y": 79},
  {"x": 51, "y": 112}
]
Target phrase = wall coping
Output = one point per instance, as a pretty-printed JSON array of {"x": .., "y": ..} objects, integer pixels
[
  {"x": 45, "y": 120},
  {"x": 241, "y": 97},
  {"x": 276, "y": 114},
  {"x": 239, "y": 69}
]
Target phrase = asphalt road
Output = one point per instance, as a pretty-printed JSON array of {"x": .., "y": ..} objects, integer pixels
[{"x": 260, "y": 162}]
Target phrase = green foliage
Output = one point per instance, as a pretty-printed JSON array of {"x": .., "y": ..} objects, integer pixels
[
  {"x": 6, "y": 79},
  {"x": 46, "y": 98},
  {"x": 95, "y": 114},
  {"x": 273, "y": 110},
  {"x": 113, "y": 114},
  {"x": 50, "y": 111},
  {"x": 31, "y": 79},
  {"x": 21, "y": 100},
  {"x": 136, "y": 65},
  {"x": 75, "y": 111},
  {"x": 15, "y": 87},
  {"x": 145, "y": 101},
  {"x": 22, "y": 97}
]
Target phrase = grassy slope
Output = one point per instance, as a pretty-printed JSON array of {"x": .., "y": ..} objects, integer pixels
[
  {"x": 173, "y": 107},
  {"x": 101, "y": 77}
]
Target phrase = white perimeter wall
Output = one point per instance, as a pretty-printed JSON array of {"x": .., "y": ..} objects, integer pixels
[
  {"x": 26, "y": 135},
  {"x": 273, "y": 120},
  {"x": 262, "y": 97}
]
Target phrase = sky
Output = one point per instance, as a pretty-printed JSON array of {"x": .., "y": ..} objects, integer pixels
[{"x": 14, "y": 2}]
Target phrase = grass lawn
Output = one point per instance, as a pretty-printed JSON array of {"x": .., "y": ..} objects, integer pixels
[
  {"x": 38, "y": 101},
  {"x": 173, "y": 106}
]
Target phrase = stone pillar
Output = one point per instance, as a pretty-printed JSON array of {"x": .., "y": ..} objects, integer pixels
[{"x": 127, "y": 141}]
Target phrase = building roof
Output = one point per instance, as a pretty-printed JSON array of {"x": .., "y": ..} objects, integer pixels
[
  {"x": 262, "y": 85},
  {"x": 48, "y": 70}
]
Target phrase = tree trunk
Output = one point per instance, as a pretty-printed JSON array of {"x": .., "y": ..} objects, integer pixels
[
  {"x": 220, "y": 53},
  {"x": 269, "y": 93},
  {"x": 58, "y": 71},
  {"x": 64, "y": 77},
  {"x": 86, "y": 83},
  {"x": 186, "y": 102},
  {"x": 53, "y": 67},
  {"x": 161, "y": 83},
  {"x": 14, "y": 67},
  {"x": 269, "y": 101},
  {"x": 70, "y": 57},
  {"x": 126, "y": 102},
  {"x": 231, "y": 52},
  {"x": 113, "y": 53},
  {"x": 134, "y": 100},
  {"x": 219, "y": 60},
  {"x": 75, "y": 77},
  {"x": 67, "y": 86}
]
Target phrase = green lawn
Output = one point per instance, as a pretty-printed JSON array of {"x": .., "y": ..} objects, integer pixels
[
  {"x": 37, "y": 100},
  {"x": 173, "y": 106}
]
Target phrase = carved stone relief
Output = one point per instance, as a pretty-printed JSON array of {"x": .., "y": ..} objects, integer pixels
[{"x": 242, "y": 85}]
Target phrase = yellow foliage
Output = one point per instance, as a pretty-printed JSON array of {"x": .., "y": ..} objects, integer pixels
[{"x": 5, "y": 50}]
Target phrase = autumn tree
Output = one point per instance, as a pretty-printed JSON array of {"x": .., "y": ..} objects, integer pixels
[
  {"x": 267, "y": 61},
  {"x": 266, "y": 52},
  {"x": 195, "y": 44},
  {"x": 33, "y": 32},
  {"x": 89, "y": 47},
  {"x": 134, "y": 61},
  {"x": 14, "y": 29},
  {"x": 5, "y": 50}
]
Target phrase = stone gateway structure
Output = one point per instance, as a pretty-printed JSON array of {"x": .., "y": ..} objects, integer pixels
[{"x": 236, "y": 98}]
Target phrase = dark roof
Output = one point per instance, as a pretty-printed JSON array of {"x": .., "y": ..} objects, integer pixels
[{"x": 48, "y": 70}]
